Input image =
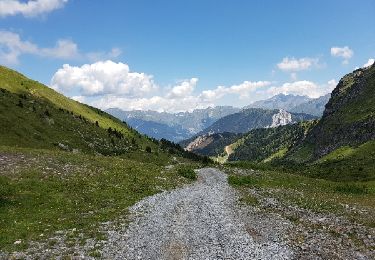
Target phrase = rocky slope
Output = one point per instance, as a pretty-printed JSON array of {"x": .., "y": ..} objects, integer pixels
[
  {"x": 348, "y": 120},
  {"x": 209, "y": 144}
]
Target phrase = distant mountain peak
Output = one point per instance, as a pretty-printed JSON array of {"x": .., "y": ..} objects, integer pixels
[
  {"x": 281, "y": 118},
  {"x": 280, "y": 101}
]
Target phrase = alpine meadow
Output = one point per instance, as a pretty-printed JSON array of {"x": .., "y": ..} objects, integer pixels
[{"x": 187, "y": 129}]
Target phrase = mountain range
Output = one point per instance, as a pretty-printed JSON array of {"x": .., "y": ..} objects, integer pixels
[
  {"x": 172, "y": 126},
  {"x": 280, "y": 101},
  {"x": 184, "y": 125},
  {"x": 251, "y": 118}
]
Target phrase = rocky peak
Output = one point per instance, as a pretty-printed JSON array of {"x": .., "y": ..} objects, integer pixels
[{"x": 281, "y": 118}]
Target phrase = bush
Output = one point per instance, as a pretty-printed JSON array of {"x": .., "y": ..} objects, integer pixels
[
  {"x": 5, "y": 188},
  {"x": 242, "y": 180},
  {"x": 352, "y": 188},
  {"x": 148, "y": 149},
  {"x": 187, "y": 172}
]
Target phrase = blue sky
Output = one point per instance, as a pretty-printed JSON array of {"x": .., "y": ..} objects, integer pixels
[{"x": 180, "y": 55}]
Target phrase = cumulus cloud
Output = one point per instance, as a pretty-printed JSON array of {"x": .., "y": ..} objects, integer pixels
[
  {"x": 101, "y": 78},
  {"x": 156, "y": 103},
  {"x": 64, "y": 49},
  {"x": 368, "y": 63},
  {"x": 12, "y": 47},
  {"x": 29, "y": 8},
  {"x": 108, "y": 84},
  {"x": 243, "y": 90},
  {"x": 185, "y": 88},
  {"x": 303, "y": 88},
  {"x": 343, "y": 52},
  {"x": 293, "y": 65}
]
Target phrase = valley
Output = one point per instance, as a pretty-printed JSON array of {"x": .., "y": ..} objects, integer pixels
[
  {"x": 75, "y": 187},
  {"x": 187, "y": 130}
]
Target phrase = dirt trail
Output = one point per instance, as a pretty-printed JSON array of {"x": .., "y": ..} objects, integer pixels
[{"x": 198, "y": 221}]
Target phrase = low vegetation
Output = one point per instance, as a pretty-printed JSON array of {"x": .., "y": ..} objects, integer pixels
[
  {"x": 269, "y": 143},
  {"x": 45, "y": 191},
  {"x": 187, "y": 172},
  {"x": 353, "y": 200}
]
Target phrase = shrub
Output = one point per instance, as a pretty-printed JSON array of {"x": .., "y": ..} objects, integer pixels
[
  {"x": 187, "y": 172},
  {"x": 352, "y": 188},
  {"x": 242, "y": 180},
  {"x": 5, "y": 188},
  {"x": 20, "y": 104}
]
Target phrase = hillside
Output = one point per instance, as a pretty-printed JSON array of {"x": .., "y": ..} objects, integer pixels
[
  {"x": 35, "y": 116},
  {"x": 266, "y": 144},
  {"x": 340, "y": 146},
  {"x": 348, "y": 120},
  {"x": 66, "y": 168},
  {"x": 252, "y": 118},
  {"x": 209, "y": 144},
  {"x": 180, "y": 126}
]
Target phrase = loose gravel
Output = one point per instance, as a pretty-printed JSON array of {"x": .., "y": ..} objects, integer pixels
[{"x": 200, "y": 221}]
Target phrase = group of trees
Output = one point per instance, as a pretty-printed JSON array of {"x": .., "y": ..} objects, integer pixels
[{"x": 114, "y": 132}]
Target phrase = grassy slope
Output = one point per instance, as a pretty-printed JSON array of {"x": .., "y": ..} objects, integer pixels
[
  {"x": 53, "y": 175},
  {"x": 18, "y": 83},
  {"x": 43, "y": 191},
  {"x": 318, "y": 195},
  {"x": 24, "y": 121},
  {"x": 266, "y": 143}
]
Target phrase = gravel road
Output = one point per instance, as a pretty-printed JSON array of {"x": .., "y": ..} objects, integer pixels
[{"x": 198, "y": 221}]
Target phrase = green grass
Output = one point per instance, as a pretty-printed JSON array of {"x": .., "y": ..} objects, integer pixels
[
  {"x": 314, "y": 194},
  {"x": 278, "y": 154},
  {"x": 19, "y": 84},
  {"x": 39, "y": 124},
  {"x": 345, "y": 164},
  {"x": 45, "y": 191},
  {"x": 266, "y": 144}
]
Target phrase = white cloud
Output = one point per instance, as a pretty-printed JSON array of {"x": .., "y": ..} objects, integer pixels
[
  {"x": 12, "y": 47},
  {"x": 64, "y": 49},
  {"x": 185, "y": 88},
  {"x": 101, "y": 78},
  {"x": 243, "y": 90},
  {"x": 303, "y": 88},
  {"x": 368, "y": 63},
  {"x": 343, "y": 52},
  {"x": 294, "y": 65},
  {"x": 29, "y": 8},
  {"x": 107, "y": 84},
  {"x": 156, "y": 103},
  {"x": 97, "y": 56}
]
